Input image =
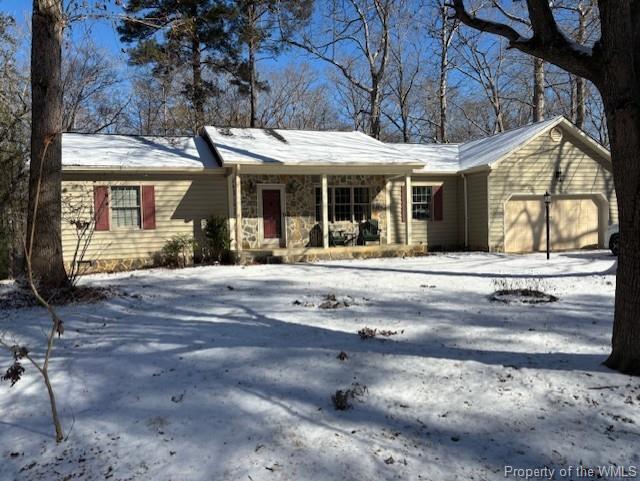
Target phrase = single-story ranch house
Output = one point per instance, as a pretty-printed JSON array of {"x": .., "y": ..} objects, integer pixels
[{"x": 291, "y": 194}]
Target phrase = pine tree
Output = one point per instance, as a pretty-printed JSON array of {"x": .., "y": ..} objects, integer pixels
[
  {"x": 183, "y": 35},
  {"x": 259, "y": 24}
]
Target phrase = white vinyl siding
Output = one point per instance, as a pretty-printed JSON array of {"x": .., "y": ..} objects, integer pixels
[
  {"x": 477, "y": 211},
  {"x": 532, "y": 170},
  {"x": 435, "y": 234},
  {"x": 182, "y": 202}
]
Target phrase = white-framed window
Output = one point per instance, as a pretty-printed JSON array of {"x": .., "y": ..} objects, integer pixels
[
  {"x": 352, "y": 204},
  {"x": 342, "y": 204},
  {"x": 126, "y": 206},
  {"x": 422, "y": 198}
]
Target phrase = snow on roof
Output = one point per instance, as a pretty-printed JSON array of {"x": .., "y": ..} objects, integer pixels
[
  {"x": 438, "y": 158},
  {"x": 452, "y": 158},
  {"x": 488, "y": 150},
  {"x": 292, "y": 147},
  {"x": 132, "y": 152},
  {"x": 302, "y": 147}
]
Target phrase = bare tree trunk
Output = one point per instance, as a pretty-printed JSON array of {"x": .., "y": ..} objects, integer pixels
[
  {"x": 442, "y": 99},
  {"x": 253, "y": 87},
  {"x": 623, "y": 119},
  {"x": 580, "y": 98},
  {"x": 46, "y": 88},
  {"x": 581, "y": 83},
  {"x": 405, "y": 128},
  {"x": 252, "y": 21},
  {"x": 443, "y": 84},
  {"x": 497, "y": 109},
  {"x": 198, "y": 91},
  {"x": 538, "y": 90},
  {"x": 165, "y": 124},
  {"x": 374, "y": 106}
]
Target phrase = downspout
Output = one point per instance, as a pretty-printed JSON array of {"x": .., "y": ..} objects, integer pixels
[{"x": 466, "y": 213}]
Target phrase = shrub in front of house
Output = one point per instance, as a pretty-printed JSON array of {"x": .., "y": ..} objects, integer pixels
[
  {"x": 177, "y": 252},
  {"x": 218, "y": 241}
]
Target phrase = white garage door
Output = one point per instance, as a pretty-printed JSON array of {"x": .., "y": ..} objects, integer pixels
[{"x": 573, "y": 224}]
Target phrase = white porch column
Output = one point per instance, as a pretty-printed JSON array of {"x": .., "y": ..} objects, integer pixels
[
  {"x": 238, "y": 211},
  {"x": 232, "y": 212},
  {"x": 325, "y": 212},
  {"x": 387, "y": 208},
  {"x": 409, "y": 208}
]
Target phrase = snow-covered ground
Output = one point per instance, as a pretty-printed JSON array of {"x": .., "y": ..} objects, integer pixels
[{"x": 226, "y": 373}]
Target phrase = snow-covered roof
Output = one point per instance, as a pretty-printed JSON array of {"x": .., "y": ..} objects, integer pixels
[
  {"x": 302, "y": 147},
  {"x": 103, "y": 151},
  {"x": 438, "y": 158},
  {"x": 488, "y": 150},
  {"x": 293, "y": 147},
  {"x": 452, "y": 158}
]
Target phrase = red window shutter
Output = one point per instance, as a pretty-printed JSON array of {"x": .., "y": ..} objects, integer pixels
[
  {"x": 438, "y": 204},
  {"x": 101, "y": 207},
  {"x": 403, "y": 203},
  {"x": 148, "y": 207}
]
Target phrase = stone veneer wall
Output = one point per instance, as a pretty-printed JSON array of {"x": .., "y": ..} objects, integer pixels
[{"x": 300, "y": 205}]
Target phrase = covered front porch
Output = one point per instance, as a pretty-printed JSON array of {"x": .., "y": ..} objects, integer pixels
[{"x": 293, "y": 213}]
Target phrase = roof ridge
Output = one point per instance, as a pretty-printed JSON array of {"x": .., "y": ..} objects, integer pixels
[
  {"x": 152, "y": 136},
  {"x": 280, "y": 128}
]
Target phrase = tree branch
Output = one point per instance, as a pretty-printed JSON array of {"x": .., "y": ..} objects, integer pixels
[{"x": 548, "y": 42}]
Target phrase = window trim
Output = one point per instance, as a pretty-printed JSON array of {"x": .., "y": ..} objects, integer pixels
[
  {"x": 112, "y": 207},
  {"x": 332, "y": 203}
]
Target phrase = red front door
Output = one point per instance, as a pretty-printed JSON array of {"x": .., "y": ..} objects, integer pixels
[{"x": 271, "y": 214}]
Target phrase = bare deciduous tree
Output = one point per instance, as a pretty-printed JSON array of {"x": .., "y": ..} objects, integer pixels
[
  {"x": 484, "y": 64},
  {"x": 296, "y": 100},
  {"x": 89, "y": 82},
  {"x": 19, "y": 352},
  {"x": 358, "y": 31},
  {"x": 443, "y": 30},
  {"x": 15, "y": 110}
]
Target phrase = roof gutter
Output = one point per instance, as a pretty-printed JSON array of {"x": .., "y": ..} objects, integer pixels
[{"x": 72, "y": 169}]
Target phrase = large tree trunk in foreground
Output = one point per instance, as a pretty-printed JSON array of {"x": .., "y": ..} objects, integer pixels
[
  {"x": 613, "y": 65},
  {"x": 46, "y": 148},
  {"x": 619, "y": 86},
  {"x": 623, "y": 119}
]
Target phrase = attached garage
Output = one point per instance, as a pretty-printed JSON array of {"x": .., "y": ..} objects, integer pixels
[
  {"x": 502, "y": 180},
  {"x": 574, "y": 223},
  {"x": 574, "y": 169}
]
